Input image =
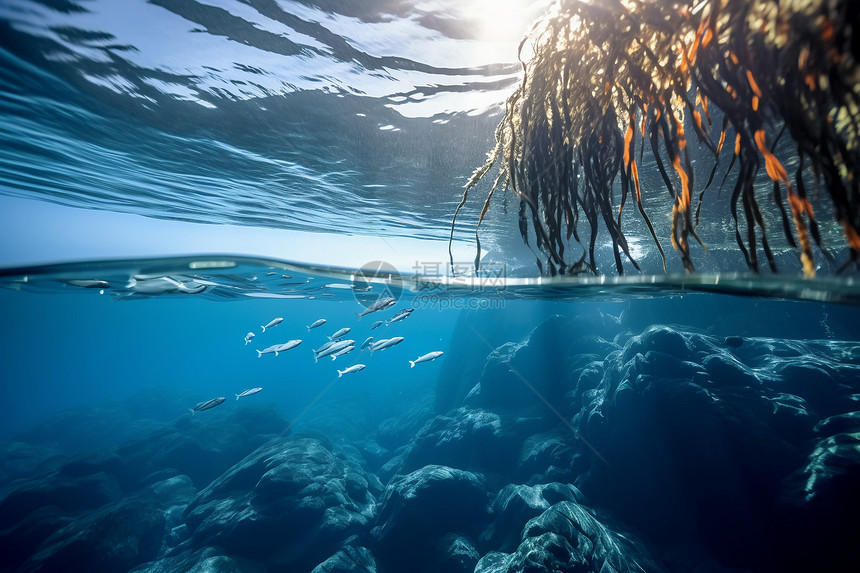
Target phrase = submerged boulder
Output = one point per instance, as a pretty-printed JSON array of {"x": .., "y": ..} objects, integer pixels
[
  {"x": 349, "y": 558},
  {"x": 290, "y": 503},
  {"x": 568, "y": 537},
  {"x": 114, "y": 538},
  {"x": 821, "y": 502},
  {"x": 526, "y": 376},
  {"x": 515, "y": 505},
  {"x": 206, "y": 560},
  {"x": 418, "y": 509},
  {"x": 466, "y": 439},
  {"x": 690, "y": 437},
  {"x": 202, "y": 447}
]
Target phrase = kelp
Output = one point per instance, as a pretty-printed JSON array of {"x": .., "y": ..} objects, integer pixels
[{"x": 610, "y": 78}]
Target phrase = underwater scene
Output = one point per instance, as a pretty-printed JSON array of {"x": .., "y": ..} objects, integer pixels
[{"x": 455, "y": 286}]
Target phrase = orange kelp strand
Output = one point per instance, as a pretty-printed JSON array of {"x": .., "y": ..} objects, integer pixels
[
  {"x": 799, "y": 205},
  {"x": 774, "y": 168},
  {"x": 722, "y": 141},
  {"x": 763, "y": 64},
  {"x": 753, "y": 84}
]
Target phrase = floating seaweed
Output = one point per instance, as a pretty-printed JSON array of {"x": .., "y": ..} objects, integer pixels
[{"x": 613, "y": 79}]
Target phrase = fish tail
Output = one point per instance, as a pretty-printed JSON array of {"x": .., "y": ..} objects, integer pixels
[
  {"x": 264, "y": 328},
  {"x": 333, "y": 357},
  {"x": 259, "y": 353},
  {"x": 237, "y": 396},
  {"x": 411, "y": 364},
  {"x": 191, "y": 410},
  {"x": 309, "y": 329},
  {"x": 359, "y": 315},
  {"x": 339, "y": 373}
]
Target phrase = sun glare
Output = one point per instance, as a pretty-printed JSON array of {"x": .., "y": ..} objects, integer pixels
[{"x": 502, "y": 20}]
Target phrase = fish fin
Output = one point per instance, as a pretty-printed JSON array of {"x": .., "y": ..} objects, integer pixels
[
  {"x": 411, "y": 364},
  {"x": 276, "y": 352},
  {"x": 259, "y": 354}
]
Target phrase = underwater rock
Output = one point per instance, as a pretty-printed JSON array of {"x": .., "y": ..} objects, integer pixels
[
  {"x": 202, "y": 447},
  {"x": 691, "y": 439},
  {"x": 523, "y": 377},
  {"x": 97, "y": 461},
  {"x": 475, "y": 335},
  {"x": 114, "y": 538},
  {"x": 455, "y": 554},
  {"x": 418, "y": 509},
  {"x": 838, "y": 424},
  {"x": 548, "y": 457},
  {"x": 478, "y": 334},
  {"x": 20, "y": 540},
  {"x": 291, "y": 503},
  {"x": 110, "y": 423},
  {"x": 830, "y": 476},
  {"x": 374, "y": 454},
  {"x": 69, "y": 494},
  {"x": 206, "y": 560},
  {"x": 821, "y": 504},
  {"x": 349, "y": 558},
  {"x": 515, "y": 505},
  {"x": 466, "y": 439},
  {"x": 395, "y": 432},
  {"x": 568, "y": 537},
  {"x": 176, "y": 490},
  {"x": 24, "y": 460}
]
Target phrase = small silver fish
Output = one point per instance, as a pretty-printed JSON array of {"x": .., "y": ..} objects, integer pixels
[
  {"x": 89, "y": 283},
  {"x": 248, "y": 392},
  {"x": 339, "y": 334},
  {"x": 268, "y": 350},
  {"x": 426, "y": 358},
  {"x": 401, "y": 315},
  {"x": 248, "y": 338},
  {"x": 385, "y": 343},
  {"x": 377, "y": 324},
  {"x": 366, "y": 344},
  {"x": 351, "y": 369},
  {"x": 273, "y": 324},
  {"x": 325, "y": 346},
  {"x": 316, "y": 324},
  {"x": 337, "y": 346},
  {"x": 342, "y": 351},
  {"x": 287, "y": 345},
  {"x": 207, "y": 405},
  {"x": 378, "y": 304}
]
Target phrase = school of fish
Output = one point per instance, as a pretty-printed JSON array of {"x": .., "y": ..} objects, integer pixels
[{"x": 334, "y": 346}]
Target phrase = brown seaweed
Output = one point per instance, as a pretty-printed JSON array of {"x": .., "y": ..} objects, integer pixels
[{"x": 610, "y": 76}]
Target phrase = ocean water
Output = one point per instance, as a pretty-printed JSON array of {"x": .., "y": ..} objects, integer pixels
[{"x": 176, "y": 175}]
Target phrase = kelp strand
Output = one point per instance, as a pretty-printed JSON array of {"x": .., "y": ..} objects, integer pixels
[{"x": 610, "y": 75}]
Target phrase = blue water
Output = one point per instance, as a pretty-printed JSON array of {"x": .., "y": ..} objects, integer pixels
[{"x": 174, "y": 175}]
